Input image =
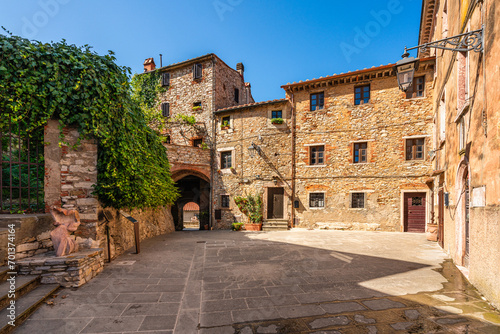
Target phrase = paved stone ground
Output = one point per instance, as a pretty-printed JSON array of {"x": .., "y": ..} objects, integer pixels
[{"x": 295, "y": 281}]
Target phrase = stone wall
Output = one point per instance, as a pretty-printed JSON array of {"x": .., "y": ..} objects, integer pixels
[
  {"x": 479, "y": 155},
  {"x": 69, "y": 271},
  {"x": 252, "y": 175},
  {"x": 226, "y": 80},
  {"x": 32, "y": 235},
  {"x": 384, "y": 124},
  {"x": 70, "y": 176},
  {"x": 182, "y": 94}
]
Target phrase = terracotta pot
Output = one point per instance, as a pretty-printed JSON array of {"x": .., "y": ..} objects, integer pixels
[{"x": 253, "y": 227}]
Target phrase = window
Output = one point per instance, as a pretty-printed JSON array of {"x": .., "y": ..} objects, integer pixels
[
  {"x": 226, "y": 159},
  {"x": 442, "y": 117},
  {"x": 461, "y": 134},
  {"x": 317, "y": 101},
  {"x": 165, "y": 109},
  {"x": 197, "y": 104},
  {"x": 317, "y": 200},
  {"x": 224, "y": 201},
  {"x": 360, "y": 150},
  {"x": 317, "y": 155},
  {"x": 361, "y": 94},
  {"x": 357, "y": 200},
  {"x": 415, "y": 149},
  {"x": 417, "y": 89},
  {"x": 197, "y": 71},
  {"x": 218, "y": 214},
  {"x": 225, "y": 121},
  {"x": 236, "y": 95},
  {"x": 165, "y": 79},
  {"x": 276, "y": 114},
  {"x": 197, "y": 142}
]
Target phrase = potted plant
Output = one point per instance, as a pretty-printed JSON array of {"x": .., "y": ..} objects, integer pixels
[
  {"x": 277, "y": 120},
  {"x": 251, "y": 206},
  {"x": 196, "y": 108},
  {"x": 236, "y": 226},
  {"x": 232, "y": 170},
  {"x": 224, "y": 125}
]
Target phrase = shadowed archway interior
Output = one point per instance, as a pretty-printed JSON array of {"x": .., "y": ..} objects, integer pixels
[{"x": 192, "y": 188}]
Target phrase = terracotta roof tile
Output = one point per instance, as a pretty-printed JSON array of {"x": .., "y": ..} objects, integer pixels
[{"x": 248, "y": 105}]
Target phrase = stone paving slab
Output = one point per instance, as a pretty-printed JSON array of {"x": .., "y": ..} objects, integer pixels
[{"x": 294, "y": 281}]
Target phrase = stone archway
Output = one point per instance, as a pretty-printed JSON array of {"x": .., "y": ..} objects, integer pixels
[{"x": 193, "y": 187}]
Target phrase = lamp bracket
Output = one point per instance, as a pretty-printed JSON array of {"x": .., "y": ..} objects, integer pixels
[{"x": 469, "y": 41}]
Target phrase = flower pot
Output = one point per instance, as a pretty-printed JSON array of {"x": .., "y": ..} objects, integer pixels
[
  {"x": 253, "y": 227},
  {"x": 224, "y": 127}
]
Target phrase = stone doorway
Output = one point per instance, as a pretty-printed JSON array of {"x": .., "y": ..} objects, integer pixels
[
  {"x": 193, "y": 189},
  {"x": 275, "y": 202}
]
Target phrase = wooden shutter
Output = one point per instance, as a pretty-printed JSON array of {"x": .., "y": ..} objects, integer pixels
[
  {"x": 165, "y": 79},
  {"x": 197, "y": 71},
  {"x": 165, "y": 109}
]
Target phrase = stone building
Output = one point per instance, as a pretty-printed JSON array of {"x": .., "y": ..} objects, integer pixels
[
  {"x": 360, "y": 150},
  {"x": 254, "y": 157},
  {"x": 351, "y": 154},
  {"x": 196, "y": 88},
  {"x": 466, "y": 139}
]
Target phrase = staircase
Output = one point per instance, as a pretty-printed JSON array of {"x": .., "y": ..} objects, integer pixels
[
  {"x": 29, "y": 295},
  {"x": 275, "y": 225}
]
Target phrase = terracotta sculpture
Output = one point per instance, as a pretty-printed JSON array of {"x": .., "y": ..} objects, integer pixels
[{"x": 66, "y": 221}]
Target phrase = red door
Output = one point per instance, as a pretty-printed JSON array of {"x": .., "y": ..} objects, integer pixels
[{"x": 414, "y": 212}]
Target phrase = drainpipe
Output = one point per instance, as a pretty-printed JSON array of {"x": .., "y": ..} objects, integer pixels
[
  {"x": 293, "y": 155},
  {"x": 212, "y": 151}
]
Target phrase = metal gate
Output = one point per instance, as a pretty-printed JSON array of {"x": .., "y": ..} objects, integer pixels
[{"x": 21, "y": 182}]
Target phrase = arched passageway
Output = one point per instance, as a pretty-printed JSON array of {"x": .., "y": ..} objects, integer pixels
[{"x": 193, "y": 189}]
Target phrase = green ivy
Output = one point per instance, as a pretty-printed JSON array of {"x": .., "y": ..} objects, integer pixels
[
  {"x": 42, "y": 81},
  {"x": 146, "y": 88}
]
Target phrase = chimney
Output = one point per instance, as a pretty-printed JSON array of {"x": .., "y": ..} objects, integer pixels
[
  {"x": 149, "y": 65},
  {"x": 240, "y": 68}
]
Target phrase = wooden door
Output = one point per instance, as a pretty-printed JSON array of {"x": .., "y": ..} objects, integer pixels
[
  {"x": 414, "y": 212},
  {"x": 275, "y": 200},
  {"x": 441, "y": 218}
]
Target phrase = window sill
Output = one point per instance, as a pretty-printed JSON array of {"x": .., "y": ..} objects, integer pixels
[
  {"x": 315, "y": 166},
  {"x": 360, "y": 163},
  {"x": 416, "y": 98},
  {"x": 357, "y": 209},
  {"x": 322, "y": 208}
]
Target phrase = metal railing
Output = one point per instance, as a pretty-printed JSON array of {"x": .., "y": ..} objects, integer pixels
[{"x": 22, "y": 167}]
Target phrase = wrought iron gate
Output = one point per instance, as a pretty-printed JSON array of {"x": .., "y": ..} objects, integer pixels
[{"x": 21, "y": 182}]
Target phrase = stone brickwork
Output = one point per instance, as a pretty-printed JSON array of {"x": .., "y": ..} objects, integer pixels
[
  {"x": 251, "y": 175},
  {"x": 70, "y": 271},
  {"x": 70, "y": 175},
  {"x": 467, "y": 139},
  {"x": 383, "y": 124}
]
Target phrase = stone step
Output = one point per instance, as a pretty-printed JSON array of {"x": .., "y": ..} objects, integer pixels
[
  {"x": 24, "y": 284},
  {"x": 275, "y": 228},
  {"x": 26, "y": 306},
  {"x": 3, "y": 273}
]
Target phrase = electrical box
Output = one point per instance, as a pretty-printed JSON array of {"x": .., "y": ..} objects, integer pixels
[
  {"x": 296, "y": 204},
  {"x": 447, "y": 199}
]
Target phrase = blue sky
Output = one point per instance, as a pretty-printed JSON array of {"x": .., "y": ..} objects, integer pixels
[{"x": 278, "y": 41}]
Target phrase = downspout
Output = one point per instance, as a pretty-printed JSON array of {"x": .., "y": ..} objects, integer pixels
[
  {"x": 293, "y": 156},
  {"x": 212, "y": 150}
]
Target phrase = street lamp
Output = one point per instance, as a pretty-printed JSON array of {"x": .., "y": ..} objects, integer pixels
[
  {"x": 405, "y": 71},
  {"x": 252, "y": 148},
  {"x": 406, "y": 67}
]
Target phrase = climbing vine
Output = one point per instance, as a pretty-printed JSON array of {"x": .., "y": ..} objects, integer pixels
[{"x": 42, "y": 81}]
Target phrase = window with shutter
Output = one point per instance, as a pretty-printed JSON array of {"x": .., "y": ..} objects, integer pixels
[
  {"x": 316, "y": 200},
  {"x": 165, "y": 109},
  {"x": 197, "y": 71},
  {"x": 165, "y": 79},
  {"x": 360, "y": 152}
]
